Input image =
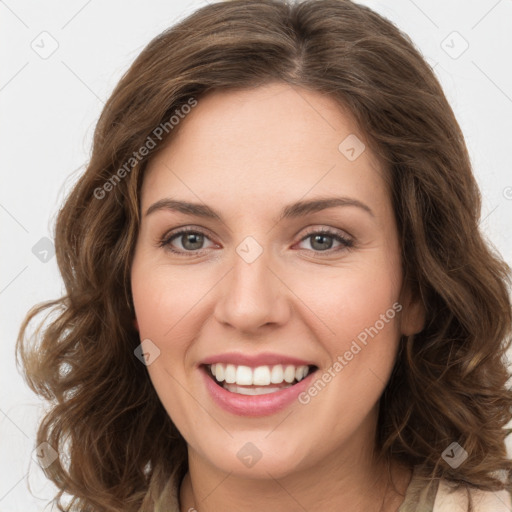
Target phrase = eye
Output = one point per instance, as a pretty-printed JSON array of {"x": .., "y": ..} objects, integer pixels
[
  {"x": 323, "y": 240},
  {"x": 191, "y": 240}
]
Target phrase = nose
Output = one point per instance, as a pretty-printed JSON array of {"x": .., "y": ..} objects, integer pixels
[{"x": 252, "y": 296}]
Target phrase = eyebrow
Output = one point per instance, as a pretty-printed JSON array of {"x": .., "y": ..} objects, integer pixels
[{"x": 294, "y": 210}]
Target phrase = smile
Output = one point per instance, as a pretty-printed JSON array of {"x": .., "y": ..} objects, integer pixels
[
  {"x": 261, "y": 380},
  {"x": 256, "y": 385}
]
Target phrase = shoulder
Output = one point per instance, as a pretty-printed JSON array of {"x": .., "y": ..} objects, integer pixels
[{"x": 451, "y": 498}]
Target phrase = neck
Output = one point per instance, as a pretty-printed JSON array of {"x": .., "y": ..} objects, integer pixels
[{"x": 354, "y": 478}]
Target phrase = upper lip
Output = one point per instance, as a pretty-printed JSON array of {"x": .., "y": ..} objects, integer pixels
[{"x": 255, "y": 360}]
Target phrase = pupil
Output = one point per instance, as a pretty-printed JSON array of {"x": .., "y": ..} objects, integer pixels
[
  {"x": 196, "y": 240},
  {"x": 322, "y": 238}
]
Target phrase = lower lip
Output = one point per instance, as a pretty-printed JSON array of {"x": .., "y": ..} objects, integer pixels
[{"x": 254, "y": 405}]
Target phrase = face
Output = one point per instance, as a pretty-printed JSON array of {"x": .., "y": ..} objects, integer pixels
[{"x": 297, "y": 309}]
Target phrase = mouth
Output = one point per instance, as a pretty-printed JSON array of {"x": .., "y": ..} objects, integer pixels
[{"x": 260, "y": 380}]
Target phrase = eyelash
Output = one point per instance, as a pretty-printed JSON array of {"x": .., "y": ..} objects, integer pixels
[{"x": 165, "y": 242}]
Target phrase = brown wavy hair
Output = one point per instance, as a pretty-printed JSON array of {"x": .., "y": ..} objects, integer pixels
[{"x": 117, "y": 445}]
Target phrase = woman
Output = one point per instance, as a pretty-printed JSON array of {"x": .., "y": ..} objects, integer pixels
[{"x": 277, "y": 295}]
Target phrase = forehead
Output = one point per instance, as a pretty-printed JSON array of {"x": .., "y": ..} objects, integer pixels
[{"x": 245, "y": 146}]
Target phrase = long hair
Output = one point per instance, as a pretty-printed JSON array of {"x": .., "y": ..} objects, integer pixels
[{"x": 117, "y": 446}]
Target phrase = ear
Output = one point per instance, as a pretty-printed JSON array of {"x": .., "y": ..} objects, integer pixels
[
  {"x": 136, "y": 324},
  {"x": 413, "y": 313}
]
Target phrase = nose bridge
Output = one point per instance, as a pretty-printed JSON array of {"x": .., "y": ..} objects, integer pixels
[{"x": 252, "y": 295}]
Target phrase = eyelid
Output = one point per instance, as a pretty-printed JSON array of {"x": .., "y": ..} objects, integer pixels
[
  {"x": 166, "y": 239},
  {"x": 318, "y": 229},
  {"x": 347, "y": 241}
]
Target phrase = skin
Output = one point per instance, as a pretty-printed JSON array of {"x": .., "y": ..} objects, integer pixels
[{"x": 246, "y": 154}]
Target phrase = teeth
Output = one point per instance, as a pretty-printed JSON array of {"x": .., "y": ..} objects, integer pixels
[
  {"x": 299, "y": 372},
  {"x": 229, "y": 374},
  {"x": 259, "y": 376},
  {"x": 289, "y": 373},
  {"x": 219, "y": 372},
  {"x": 277, "y": 374},
  {"x": 243, "y": 376}
]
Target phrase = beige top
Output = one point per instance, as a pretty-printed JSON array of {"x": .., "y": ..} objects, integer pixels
[
  {"x": 418, "y": 498},
  {"x": 440, "y": 497}
]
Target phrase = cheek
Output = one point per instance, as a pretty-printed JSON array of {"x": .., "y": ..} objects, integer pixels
[
  {"x": 165, "y": 305},
  {"x": 368, "y": 334},
  {"x": 170, "y": 308},
  {"x": 362, "y": 309},
  {"x": 357, "y": 322},
  {"x": 366, "y": 303},
  {"x": 351, "y": 299},
  {"x": 163, "y": 298}
]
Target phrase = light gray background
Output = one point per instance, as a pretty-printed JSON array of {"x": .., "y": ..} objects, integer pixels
[{"x": 50, "y": 103}]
